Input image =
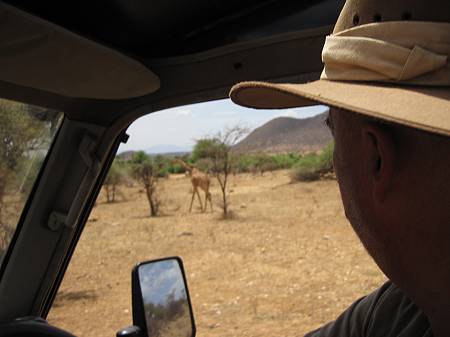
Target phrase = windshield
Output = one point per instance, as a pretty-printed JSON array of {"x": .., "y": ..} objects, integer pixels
[
  {"x": 26, "y": 133},
  {"x": 248, "y": 199}
]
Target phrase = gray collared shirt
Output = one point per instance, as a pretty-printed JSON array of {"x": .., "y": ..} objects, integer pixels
[{"x": 386, "y": 312}]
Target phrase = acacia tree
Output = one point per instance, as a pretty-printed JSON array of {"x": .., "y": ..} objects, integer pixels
[
  {"x": 147, "y": 171},
  {"x": 216, "y": 155}
]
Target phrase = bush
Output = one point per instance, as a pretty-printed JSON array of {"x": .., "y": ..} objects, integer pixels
[
  {"x": 205, "y": 148},
  {"x": 243, "y": 163},
  {"x": 308, "y": 169},
  {"x": 262, "y": 162},
  {"x": 162, "y": 166},
  {"x": 313, "y": 166},
  {"x": 117, "y": 175},
  {"x": 286, "y": 161},
  {"x": 326, "y": 158},
  {"x": 147, "y": 171},
  {"x": 205, "y": 165},
  {"x": 175, "y": 168}
]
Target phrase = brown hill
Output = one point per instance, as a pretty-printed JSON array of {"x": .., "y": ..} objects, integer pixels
[{"x": 286, "y": 134}]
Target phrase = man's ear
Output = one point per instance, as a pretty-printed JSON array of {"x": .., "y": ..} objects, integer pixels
[{"x": 379, "y": 147}]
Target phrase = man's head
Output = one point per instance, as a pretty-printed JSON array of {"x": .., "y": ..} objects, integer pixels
[
  {"x": 387, "y": 78},
  {"x": 395, "y": 187}
]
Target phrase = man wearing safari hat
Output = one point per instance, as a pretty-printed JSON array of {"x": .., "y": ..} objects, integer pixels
[{"x": 386, "y": 78}]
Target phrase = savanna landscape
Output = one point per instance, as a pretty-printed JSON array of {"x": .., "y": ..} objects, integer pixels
[
  {"x": 275, "y": 254},
  {"x": 286, "y": 262}
]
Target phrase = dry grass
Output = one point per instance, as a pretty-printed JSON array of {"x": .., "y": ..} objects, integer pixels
[{"x": 286, "y": 263}]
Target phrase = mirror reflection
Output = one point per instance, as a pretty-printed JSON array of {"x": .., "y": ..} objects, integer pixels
[{"x": 166, "y": 306}]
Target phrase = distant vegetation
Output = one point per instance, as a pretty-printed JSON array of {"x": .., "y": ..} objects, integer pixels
[
  {"x": 255, "y": 163},
  {"x": 314, "y": 166},
  {"x": 25, "y": 135},
  {"x": 117, "y": 175},
  {"x": 236, "y": 150},
  {"x": 216, "y": 157},
  {"x": 260, "y": 163}
]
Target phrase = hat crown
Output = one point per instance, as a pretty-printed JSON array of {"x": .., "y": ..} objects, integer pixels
[
  {"x": 360, "y": 12},
  {"x": 397, "y": 71}
]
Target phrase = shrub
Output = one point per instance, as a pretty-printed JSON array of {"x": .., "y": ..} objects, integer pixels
[
  {"x": 307, "y": 169},
  {"x": 205, "y": 165},
  {"x": 162, "y": 165},
  {"x": 175, "y": 168},
  {"x": 147, "y": 170},
  {"x": 286, "y": 161},
  {"x": 313, "y": 166},
  {"x": 116, "y": 176},
  {"x": 326, "y": 158},
  {"x": 205, "y": 148},
  {"x": 262, "y": 162}
]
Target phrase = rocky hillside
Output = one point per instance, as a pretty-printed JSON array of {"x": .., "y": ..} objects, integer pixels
[{"x": 286, "y": 134}]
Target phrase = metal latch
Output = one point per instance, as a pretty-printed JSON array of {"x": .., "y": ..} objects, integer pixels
[{"x": 56, "y": 220}]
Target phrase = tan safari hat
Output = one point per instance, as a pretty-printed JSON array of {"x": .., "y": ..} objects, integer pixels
[{"x": 387, "y": 59}]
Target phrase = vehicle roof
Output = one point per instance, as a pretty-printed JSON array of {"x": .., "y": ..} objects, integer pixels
[
  {"x": 183, "y": 43},
  {"x": 167, "y": 28}
]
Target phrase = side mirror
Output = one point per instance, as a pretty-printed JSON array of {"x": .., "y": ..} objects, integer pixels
[{"x": 161, "y": 303}]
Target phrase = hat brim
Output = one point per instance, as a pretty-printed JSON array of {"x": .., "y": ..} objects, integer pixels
[{"x": 425, "y": 108}]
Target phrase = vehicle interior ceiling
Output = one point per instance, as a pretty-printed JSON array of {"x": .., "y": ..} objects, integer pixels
[
  {"x": 110, "y": 62},
  {"x": 179, "y": 42}
]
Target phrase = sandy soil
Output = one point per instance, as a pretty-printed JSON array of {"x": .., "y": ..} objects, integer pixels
[{"x": 285, "y": 264}]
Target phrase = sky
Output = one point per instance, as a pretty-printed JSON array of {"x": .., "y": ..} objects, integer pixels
[
  {"x": 179, "y": 128},
  {"x": 161, "y": 279}
]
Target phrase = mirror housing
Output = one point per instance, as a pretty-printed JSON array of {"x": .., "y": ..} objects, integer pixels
[
  {"x": 160, "y": 299},
  {"x": 131, "y": 331}
]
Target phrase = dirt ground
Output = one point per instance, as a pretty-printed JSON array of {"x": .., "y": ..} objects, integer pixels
[{"x": 286, "y": 263}]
